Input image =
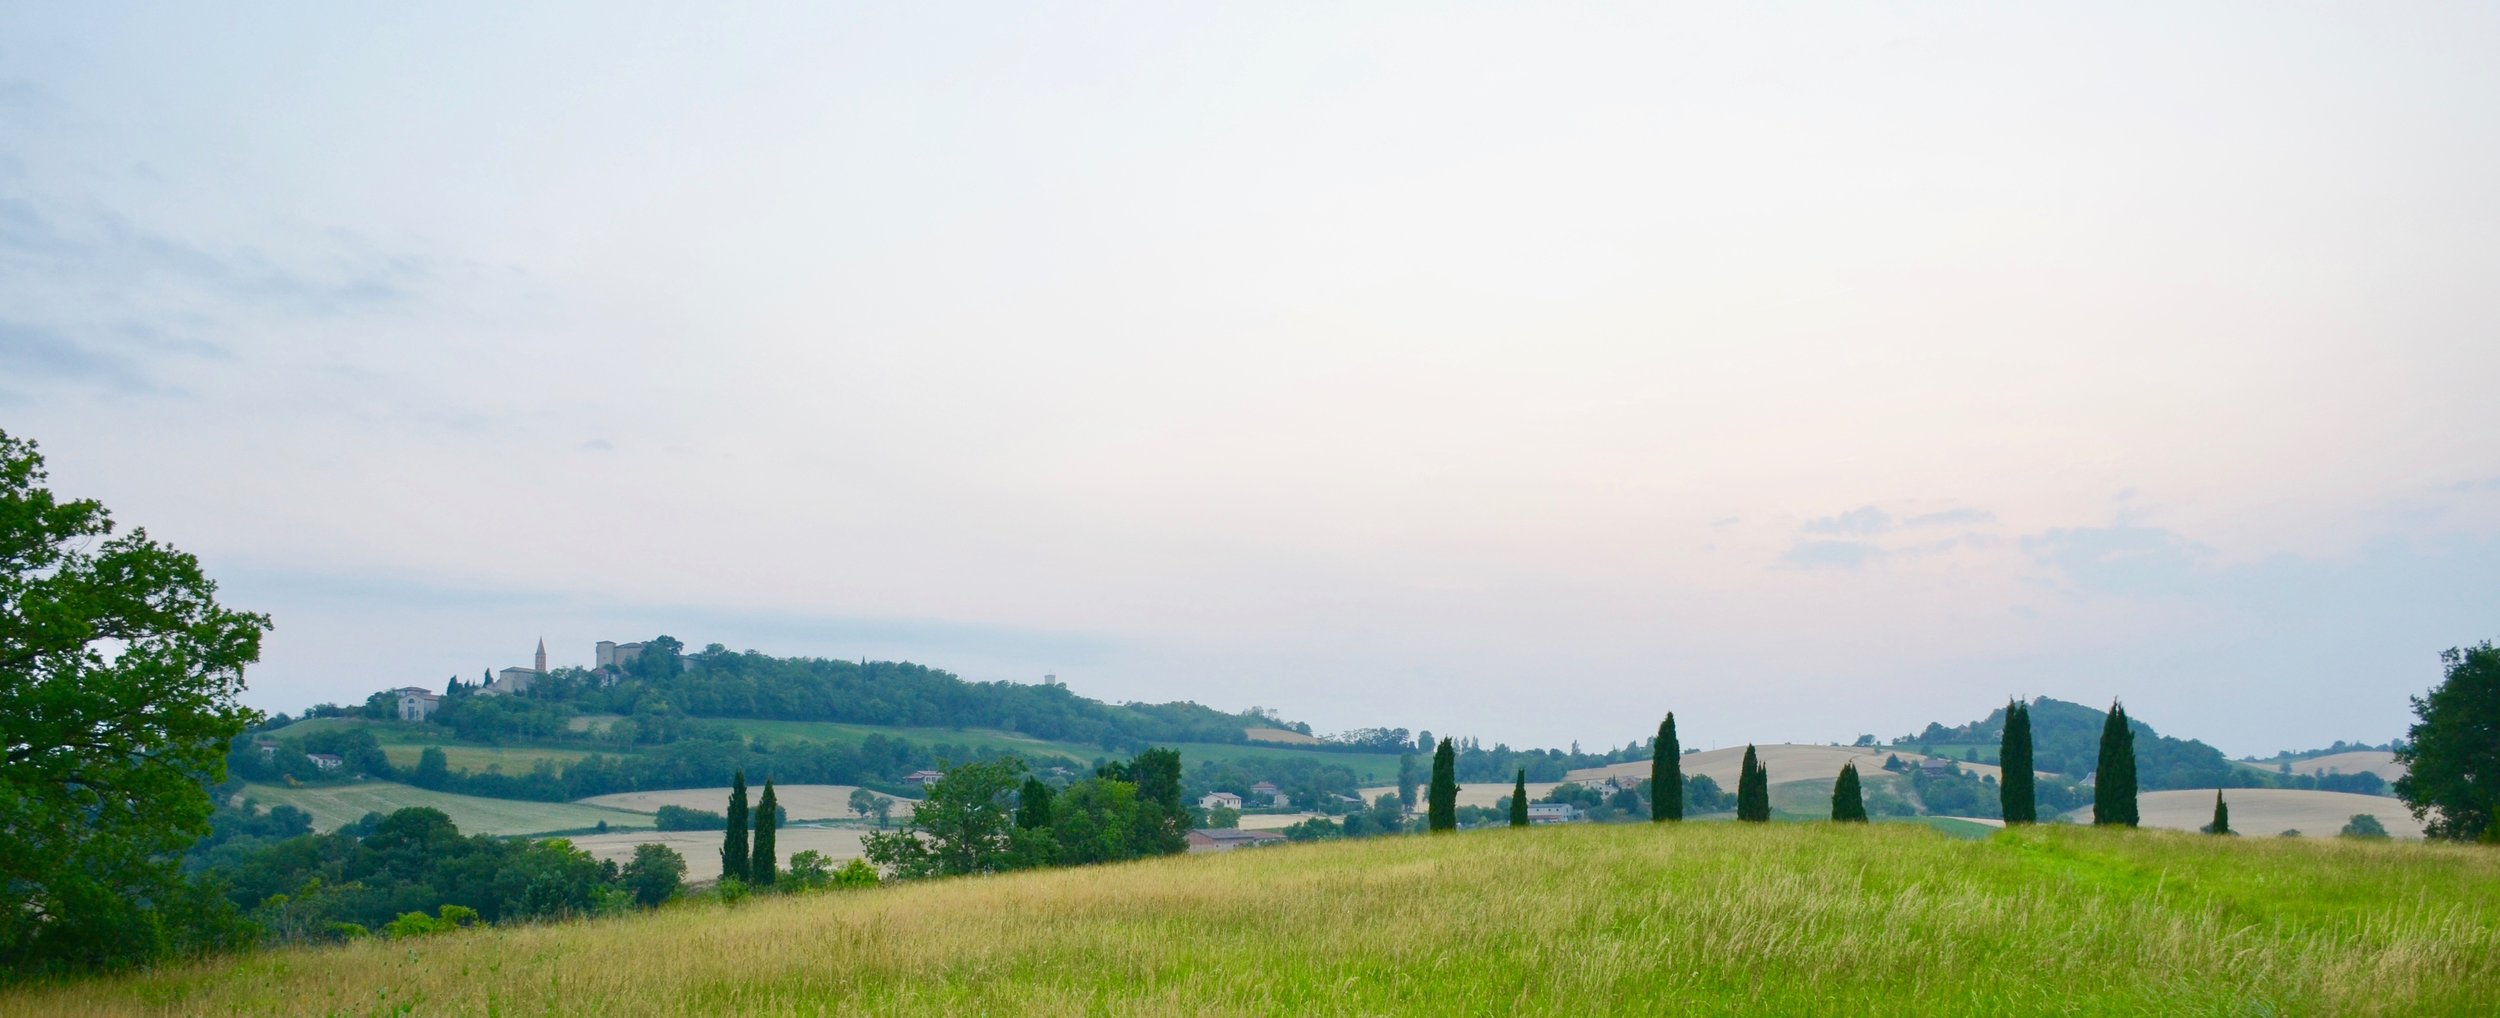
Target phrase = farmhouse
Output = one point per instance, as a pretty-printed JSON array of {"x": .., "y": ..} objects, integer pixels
[
  {"x": 1266, "y": 793},
  {"x": 417, "y": 704},
  {"x": 1550, "y": 812},
  {"x": 922, "y": 779},
  {"x": 1227, "y": 840},
  {"x": 1219, "y": 800}
]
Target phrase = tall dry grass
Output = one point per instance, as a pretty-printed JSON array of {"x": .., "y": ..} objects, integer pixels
[{"x": 1686, "y": 919}]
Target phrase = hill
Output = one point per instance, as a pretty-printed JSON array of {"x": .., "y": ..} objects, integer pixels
[
  {"x": 2066, "y": 740},
  {"x": 1697, "y": 918}
]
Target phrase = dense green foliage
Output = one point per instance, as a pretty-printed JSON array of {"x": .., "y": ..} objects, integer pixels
[
  {"x": 2018, "y": 802},
  {"x": 2113, "y": 785},
  {"x": 2452, "y": 753},
  {"x": 990, "y": 816},
  {"x": 655, "y": 874},
  {"x": 1753, "y": 789},
  {"x": 119, "y": 674},
  {"x": 683, "y": 818},
  {"x": 1519, "y": 801},
  {"x": 415, "y": 860},
  {"x": 1444, "y": 797},
  {"x": 1666, "y": 773},
  {"x": 1848, "y": 805}
]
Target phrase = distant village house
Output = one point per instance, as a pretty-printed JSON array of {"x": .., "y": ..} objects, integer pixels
[
  {"x": 1219, "y": 800},
  {"x": 923, "y": 779},
  {"x": 1228, "y": 839}
]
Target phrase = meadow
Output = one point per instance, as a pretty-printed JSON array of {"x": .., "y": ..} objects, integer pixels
[
  {"x": 1369, "y": 768},
  {"x": 1715, "y": 918}
]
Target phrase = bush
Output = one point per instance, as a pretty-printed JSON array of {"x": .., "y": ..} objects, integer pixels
[
  {"x": 732, "y": 890},
  {"x": 2365, "y": 826},
  {"x": 680, "y": 818},
  {"x": 418, "y": 924}
]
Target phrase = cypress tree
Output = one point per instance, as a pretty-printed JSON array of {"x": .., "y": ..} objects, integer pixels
[
  {"x": 1753, "y": 794},
  {"x": 733, "y": 849},
  {"x": 765, "y": 867},
  {"x": 1443, "y": 799},
  {"x": 2113, "y": 784},
  {"x": 1666, "y": 773},
  {"x": 1848, "y": 806},
  {"x": 1519, "y": 800},
  {"x": 2222, "y": 816},
  {"x": 1033, "y": 804},
  {"x": 2014, "y": 754}
]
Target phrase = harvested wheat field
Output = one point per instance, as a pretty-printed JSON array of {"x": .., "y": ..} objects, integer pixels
[
  {"x": 2268, "y": 811},
  {"x": 1485, "y": 793},
  {"x": 803, "y": 802},
  {"x": 2372, "y": 761},
  {"x": 1786, "y": 762},
  {"x": 1701, "y": 919}
]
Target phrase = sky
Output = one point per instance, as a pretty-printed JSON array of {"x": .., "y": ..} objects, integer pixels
[{"x": 1517, "y": 371}]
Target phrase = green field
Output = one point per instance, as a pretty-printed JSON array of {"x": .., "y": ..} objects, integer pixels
[
  {"x": 1637, "y": 919},
  {"x": 404, "y": 741},
  {"x": 333, "y": 806}
]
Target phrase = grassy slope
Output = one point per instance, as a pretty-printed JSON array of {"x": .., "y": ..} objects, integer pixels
[
  {"x": 403, "y": 742},
  {"x": 332, "y": 806},
  {"x": 1694, "y": 918}
]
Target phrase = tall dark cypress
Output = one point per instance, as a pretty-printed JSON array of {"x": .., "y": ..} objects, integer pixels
[
  {"x": 1848, "y": 804},
  {"x": 1753, "y": 794},
  {"x": 2113, "y": 783},
  {"x": 1666, "y": 773},
  {"x": 1033, "y": 804},
  {"x": 2222, "y": 816},
  {"x": 1443, "y": 799},
  {"x": 2014, "y": 789},
  {"x": 1519, "y": 800},
  {"x": 766, "y": 867},
  {"x": 733, "y": 848}
]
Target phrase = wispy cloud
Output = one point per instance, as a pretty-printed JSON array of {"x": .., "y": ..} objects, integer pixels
[
  {"x": 31, "y": 351},
  {"x": 1832, "y": 554},
  {"x": 1865, "y": 521},
  {"x": 2121, "y": 559},
  {"x": 1952, "y": 518}
]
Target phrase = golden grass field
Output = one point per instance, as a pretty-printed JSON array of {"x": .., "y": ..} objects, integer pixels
[
  {"x": 1786, "y": 762},
  {"x": 2374, "y": 761},
  {"x": 1706, "y": 919}
]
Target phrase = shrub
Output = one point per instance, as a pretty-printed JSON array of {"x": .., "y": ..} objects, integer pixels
[{"x": 2363, "y": 825}]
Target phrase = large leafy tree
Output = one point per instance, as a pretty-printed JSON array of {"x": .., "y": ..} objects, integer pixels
[
  {"x": 965, "y": 825},
  {"x": 1666, "y": 773},
  {"x": 119, "y": 673},
  {"x": 2452, "y": 754}
]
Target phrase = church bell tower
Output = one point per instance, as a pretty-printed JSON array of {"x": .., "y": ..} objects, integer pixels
[{"x": 542, "y": 655}]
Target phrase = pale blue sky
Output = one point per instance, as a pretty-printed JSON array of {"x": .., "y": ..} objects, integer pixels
[{"x": 1522, "y": 371}]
